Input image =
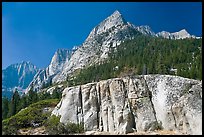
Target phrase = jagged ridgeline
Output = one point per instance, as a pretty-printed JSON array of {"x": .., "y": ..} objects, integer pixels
[
  {"x": 17, "y": 76},
  {"x": 147, "y": 55},
  {"x": 105, "y": 39}
]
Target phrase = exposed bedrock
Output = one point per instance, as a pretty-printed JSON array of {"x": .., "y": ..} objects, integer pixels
[{"x": 140, "y": 103}]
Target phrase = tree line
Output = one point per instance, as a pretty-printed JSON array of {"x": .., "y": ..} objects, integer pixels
[
  {"x": 17, "y": 102},
  {"x": 147, "y": 55}
]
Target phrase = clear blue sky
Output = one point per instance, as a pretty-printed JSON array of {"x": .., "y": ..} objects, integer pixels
[{"x": 33, "y": 31}]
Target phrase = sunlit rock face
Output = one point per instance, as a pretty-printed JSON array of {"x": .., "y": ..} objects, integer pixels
[
  {"x": 140, "y": 103},
  {"x": 182, "y": 34},
  {"x": 44, "y": 76}
]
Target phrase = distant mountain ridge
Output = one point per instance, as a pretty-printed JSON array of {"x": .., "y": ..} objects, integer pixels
[
  {"x": 182, "y": 34},
  {"x": 18, "y": 76}
]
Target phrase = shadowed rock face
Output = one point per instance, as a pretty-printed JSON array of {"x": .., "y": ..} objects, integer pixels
[
  {"x": 139, "y": 102},
  {"x": 18, "y": 76}
]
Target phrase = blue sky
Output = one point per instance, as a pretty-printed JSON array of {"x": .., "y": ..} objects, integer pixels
[{"x": 33, "y": 31}]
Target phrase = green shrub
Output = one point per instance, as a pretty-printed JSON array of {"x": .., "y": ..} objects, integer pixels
[
  {"x": 6, "y": 130},
  {"x": 51, "y": 125},
  {"x": 26, "y": 117},
  {"x": 74, "y": 128},
  {"x": 55, "y": 127}
]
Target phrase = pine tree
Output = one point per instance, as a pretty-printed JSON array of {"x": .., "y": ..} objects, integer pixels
[
  {"x": 5, "y": 107},
  {"x": 15, "y": 101},
  {"x": 24, "y": 102},
  {"x": 56, "y": 94},
  {"x": 32, "y": 96}
]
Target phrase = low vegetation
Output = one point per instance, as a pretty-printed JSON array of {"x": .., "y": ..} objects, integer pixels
[
  {"x": 37, "y": 115},
  {"x": 32, "y": 116},
  {"x": 17, "y": 102},
  {"x": 54, "y": 127}
]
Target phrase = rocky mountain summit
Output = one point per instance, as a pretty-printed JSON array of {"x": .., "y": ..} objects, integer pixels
[
  {"x": 109, "y": 33},
  {"x": 135, "y": 103},
  {"x": 113, "y": 20},
  {"x": 106, "y": 35},
  {"x": 17, "y": 76}
]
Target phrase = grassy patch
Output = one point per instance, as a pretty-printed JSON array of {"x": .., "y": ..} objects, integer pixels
[{"x": 27, "y": 117}]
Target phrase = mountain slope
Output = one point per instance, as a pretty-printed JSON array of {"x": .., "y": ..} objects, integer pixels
[
  {"x": 44, "y": 77},
  {"x": 147, "y": 55},
  {"x": 109, "y": 33},
  {"x": 106, "y": 36},
  {"x": 17, "y": 76}
]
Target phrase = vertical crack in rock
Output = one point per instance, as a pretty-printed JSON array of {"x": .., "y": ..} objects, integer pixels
[
  {"x": 77, "y": 108},
  {"x": 129, "y": 107},
  {"x": 130, "y": 100},
  {"x": 132, "y": 115},
  {"x": 100, "y": 124},
  {"x": 108, "y": 107},
  {"x": 104, "y": 88},
  {"x": 150, "y": 97},
  {"x": 97, "y": 104},
  {"x": 125, "y": 89},
  {"x": 173, "y": 116},
  {"x": 110, "y": 113},
  {"x": 81, "y": 105}
]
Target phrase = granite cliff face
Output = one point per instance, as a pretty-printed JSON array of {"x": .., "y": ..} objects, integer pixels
[{"x": 140, "y": 103}]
